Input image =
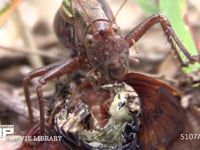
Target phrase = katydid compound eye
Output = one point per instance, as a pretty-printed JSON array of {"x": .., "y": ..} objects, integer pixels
[
  {"x": 90, "y": 41},
  {"x": 116, "y": 28}
]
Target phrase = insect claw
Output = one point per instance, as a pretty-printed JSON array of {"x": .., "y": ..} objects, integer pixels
[{"x": 195, "y": 58}]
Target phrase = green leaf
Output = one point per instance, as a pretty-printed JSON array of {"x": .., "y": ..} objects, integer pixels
[
  {"x": 174, "y": 10},
  {"x": 3, "y": 8}
]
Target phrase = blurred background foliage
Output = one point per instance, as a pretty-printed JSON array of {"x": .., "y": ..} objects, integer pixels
[{"x": 176, "y": 12}]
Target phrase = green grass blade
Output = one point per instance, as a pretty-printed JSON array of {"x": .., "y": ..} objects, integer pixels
[{"x": 174, "y": 10}]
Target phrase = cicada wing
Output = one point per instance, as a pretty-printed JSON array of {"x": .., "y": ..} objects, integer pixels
[{"x": 162, "y": 116}]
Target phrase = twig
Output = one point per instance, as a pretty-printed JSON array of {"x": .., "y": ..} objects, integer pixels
[
  {"x": 9, "y": 99},
  {"x": 29, "y": 52},
  {"x": 28, "y": 39}
]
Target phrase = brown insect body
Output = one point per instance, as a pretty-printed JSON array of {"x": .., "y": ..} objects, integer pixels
[
  {"x": 98, "y": 37},
  {"x": 88, "y": 120},
  {"x": 161, "y": 117},
  {"x": 98, "y": 100}
]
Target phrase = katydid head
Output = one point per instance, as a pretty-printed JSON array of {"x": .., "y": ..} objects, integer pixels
[{"x": 106, "y": 49}]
